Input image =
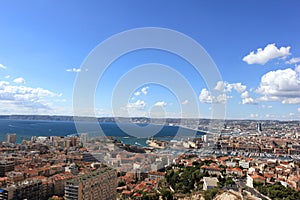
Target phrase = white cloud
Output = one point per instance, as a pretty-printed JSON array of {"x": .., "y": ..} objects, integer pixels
[
  {"x": 291, "y": 101},
  {"x": 227, "y": 87},
  {"x": 298, "y": 109},
  {"x": 160, "y": 103},
  {"x": 222, "y": 98},
  {"x": 137, "y": 93},
  {"x": 3, "y": 84},
  {"x": 185, "y": 102},
  {"x": 280, "y": 85},
  {"x": 247, "y": 99},
  {"x": 206, "y": 97},
  {"x": 144, "y": 90},
  {"x": 297, "y": 68},
  {"x": 19, "y": 80},
  {"x": 254, "y": 115},
  {"x": 262, "y": 56},
  {"x": 7, "y": 76},
  {"x": 221, "y": 86},
  {"x": 238, "y": 87},
  {"x": 269, "y": 115},
  {"x": 2, "y": 66},
  {"x": 25, "y": 97},
  {"x": 224, "y": 86},
  {"x": 139, "y": 104},
  {"x": 76, "y": 70},
  {"x": 268, "y": 98},
  {"x": 293, "y": 60}
]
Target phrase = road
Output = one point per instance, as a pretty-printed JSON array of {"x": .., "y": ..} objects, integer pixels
[{"x": 253, "y": 191}]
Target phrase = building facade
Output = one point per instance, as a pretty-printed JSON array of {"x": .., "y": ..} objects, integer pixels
[
  {"x": 6, "y": 166},
  {"x": 32, "y": 190},
  {"x": 11, "y": 138},
  {"x": 99, "y": 184}
]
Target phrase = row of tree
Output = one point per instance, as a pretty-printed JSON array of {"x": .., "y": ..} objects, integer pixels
[{"x": 277, "y": 191}]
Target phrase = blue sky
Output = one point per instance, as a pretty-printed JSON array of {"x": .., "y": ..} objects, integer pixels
[{"x": 44, "y": 43}]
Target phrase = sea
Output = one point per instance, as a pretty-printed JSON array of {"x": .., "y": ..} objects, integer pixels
[{"x": 127, "y": 133}]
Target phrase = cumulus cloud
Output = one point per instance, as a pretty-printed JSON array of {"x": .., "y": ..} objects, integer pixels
[
  {"x": 2, "y": 66},
  {"x": 262, "y": 56},
  {"x": 227, "y": 87},
  {"x": 19, "y": 80},
  {"x": 185, "y": 102},
  {"x": 76, "y": 70},
  {"x": 7, "y": 76},
  {"x": 207, "y": 97},
  {"x": 298, "y": 109},
  {"x": 28, "y": 97},
  {"x": 144, "y": 90},
  {"x": 160, "y": 103},
  {"x": 139, "y": 104},
  {"x": 280, "y": 85},
  {"x": 137, "y": 93},
  {"x": 247, "y": 99},
  {"x": 293, "y": 60}
]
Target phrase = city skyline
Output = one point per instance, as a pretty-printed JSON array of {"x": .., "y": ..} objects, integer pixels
[{"x": 253, "y": 44}]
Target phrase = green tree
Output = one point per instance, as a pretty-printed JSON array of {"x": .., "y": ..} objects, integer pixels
[
  {"x": 166, "y": 195},
  {"x": 229, "y": 182},
  {"x": 121, "y": 183},
  {"x": 210, "y": 194}
]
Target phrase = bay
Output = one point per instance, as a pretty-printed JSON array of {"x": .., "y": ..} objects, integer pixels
[{"x": 133, "y": 134}]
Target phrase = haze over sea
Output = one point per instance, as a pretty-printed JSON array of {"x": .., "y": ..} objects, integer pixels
[{"x": 25, "y": 129}]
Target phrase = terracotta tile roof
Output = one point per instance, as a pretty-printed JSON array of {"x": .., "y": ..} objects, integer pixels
[
  {"x": 137, "y": 195},
  {"x": 269, "y": 175},
  {"x": 157, "y": 173},
  {"x": 235, "y": 169},
  {"x": 257, "y": 177},
  {"x": 126, "y": 192}
]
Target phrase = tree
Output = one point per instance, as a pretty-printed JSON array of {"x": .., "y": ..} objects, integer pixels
[
  {"x": 210, "y": 194},
  {"x": 121, "y": 183},
  {"x": 195, "y": 163},
  {"x": 166, "y": 194},
  {"x": 278, "y": 191},
  {"x": 229, "y": 181}
]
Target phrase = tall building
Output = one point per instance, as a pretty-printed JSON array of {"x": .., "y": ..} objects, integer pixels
[
  {"x": 73, "y": 141},
  {"x": 84, "y": 138},
  {"x": 99, "y": 184},
  {"x": 11, "y": 138},
  {"x": 32, "y": 190},
  {"x": 208, "y": 140},
  {"x": 259, "y": 127},
  {"x": 6, "y": 166}
]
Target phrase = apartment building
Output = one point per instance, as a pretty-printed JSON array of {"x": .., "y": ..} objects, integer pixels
[{"x": 98, "y": 184}]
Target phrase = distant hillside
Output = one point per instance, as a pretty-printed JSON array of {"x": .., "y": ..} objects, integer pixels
[
  {"x": 37, "y": 117},
  {"x": 127, "y": 119}
]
